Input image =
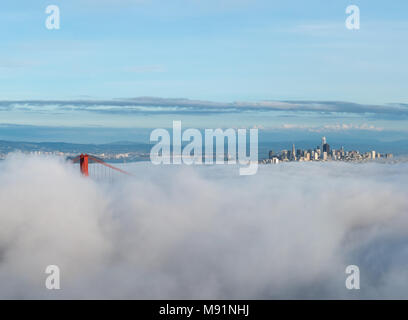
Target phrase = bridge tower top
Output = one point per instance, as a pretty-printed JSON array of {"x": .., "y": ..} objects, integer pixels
[
  {"x": 85, "y": 159},
  {"x": 83, "y": 164}
]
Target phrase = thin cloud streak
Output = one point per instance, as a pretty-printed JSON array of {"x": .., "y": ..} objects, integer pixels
[
  {"x": 189, "y": 106},
  {"x": 333, "y": 127}
]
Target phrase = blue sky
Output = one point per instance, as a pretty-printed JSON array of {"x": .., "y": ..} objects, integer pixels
[{"x": 222, "y": 51}]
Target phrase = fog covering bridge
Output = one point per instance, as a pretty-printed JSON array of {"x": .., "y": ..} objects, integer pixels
[{"x": 96, "y": 168}]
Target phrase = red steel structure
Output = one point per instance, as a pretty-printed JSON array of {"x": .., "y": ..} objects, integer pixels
[
  {"x": 85, "y": 159},
  {"x": 83, "y": 164}
]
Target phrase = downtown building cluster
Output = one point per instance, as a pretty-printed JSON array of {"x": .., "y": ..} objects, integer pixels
[{"x": 323, "y": 153}]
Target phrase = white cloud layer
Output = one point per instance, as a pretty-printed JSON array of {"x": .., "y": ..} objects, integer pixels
[
  {"x": 333, "y": 127},
  {"x": 204, "y": 232},
  {"x": 171, "y": 105}
]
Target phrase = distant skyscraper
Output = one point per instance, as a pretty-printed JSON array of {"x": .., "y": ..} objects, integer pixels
[
  {"x": 326, "y": 148},
  {"x": 284, "y": 154},
  {"x": 271, "y": 154},
  {"x": 293, "y": 153},
  {"x": 322, "y": 148}
]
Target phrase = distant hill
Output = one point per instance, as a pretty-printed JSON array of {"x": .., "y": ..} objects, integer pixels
[{"x": 117, "y": 147}]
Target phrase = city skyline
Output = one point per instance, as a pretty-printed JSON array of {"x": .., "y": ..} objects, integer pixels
[{"x": 323, "y": 152}]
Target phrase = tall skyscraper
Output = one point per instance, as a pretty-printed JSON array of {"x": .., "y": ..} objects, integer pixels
[
  {"x": 326, "y": 148},
  {"x": 293, "y": 153},
  {"x": 322, "y": 148}
]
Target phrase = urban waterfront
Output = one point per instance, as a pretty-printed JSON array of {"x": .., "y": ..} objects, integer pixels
[{"x": 323, "y": 152}]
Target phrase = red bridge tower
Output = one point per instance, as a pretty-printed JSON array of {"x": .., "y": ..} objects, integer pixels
[{"x": 83, "y": 164}]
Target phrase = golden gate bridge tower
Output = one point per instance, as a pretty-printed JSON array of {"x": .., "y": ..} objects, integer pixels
[{"x": 96, "y": 168}]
